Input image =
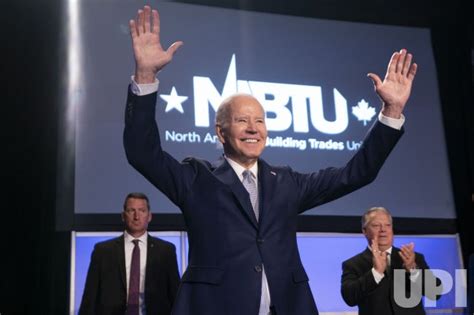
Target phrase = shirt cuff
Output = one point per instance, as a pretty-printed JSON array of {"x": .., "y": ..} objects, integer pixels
[
  {"x": 392, "y": 122},
  {"x": 414, "y": 274},
  {"x": 377, "y": 276},
  {"x": 144, "y": 89}
]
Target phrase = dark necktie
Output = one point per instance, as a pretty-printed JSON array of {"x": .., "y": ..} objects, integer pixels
[
  {"x": 388, "y": 269},
  {"x": 251, "y": 186},
  {"x": 134, "y": 283}
]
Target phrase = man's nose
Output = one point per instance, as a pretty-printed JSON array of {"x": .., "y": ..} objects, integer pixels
[{"x": 251, "y": 127}]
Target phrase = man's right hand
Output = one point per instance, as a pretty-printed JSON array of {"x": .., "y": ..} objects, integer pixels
[
  {"x": 149, "y": 55},
  {"x": 379, "y": 258}
]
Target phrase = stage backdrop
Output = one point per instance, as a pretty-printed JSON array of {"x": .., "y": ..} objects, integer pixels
[
  {"x": 309, "y": 74},
  {"x": 322, "y": 256}
]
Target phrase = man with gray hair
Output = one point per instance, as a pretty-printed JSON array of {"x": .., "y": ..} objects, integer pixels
[{"x": 368, "y": 279}]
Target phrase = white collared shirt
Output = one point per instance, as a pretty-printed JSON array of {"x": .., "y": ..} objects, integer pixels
[{"x": 142, "y": 244}]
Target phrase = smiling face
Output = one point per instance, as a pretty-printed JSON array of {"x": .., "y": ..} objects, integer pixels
[
  {"x": 379, "y": 227},
  {"x": 241, "y": 129},
  {"x": 136, "y": 216}
]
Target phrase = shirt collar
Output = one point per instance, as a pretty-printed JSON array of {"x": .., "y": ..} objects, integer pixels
[
  {"x": 129, "y": 238},
  {"x": 239, "y": 169}
]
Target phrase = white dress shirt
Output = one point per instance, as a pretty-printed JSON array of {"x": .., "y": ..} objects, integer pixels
[{"x": 142, "y": 244}]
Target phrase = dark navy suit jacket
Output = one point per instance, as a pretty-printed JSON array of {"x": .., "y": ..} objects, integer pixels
[{"x": 227, "y": 246}]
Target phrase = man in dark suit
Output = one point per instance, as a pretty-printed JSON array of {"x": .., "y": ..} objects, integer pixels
[
  {"x": 368, "y": 279},
  {"x": 241, "y": 213},
  {"x": 134, "y": 273}
]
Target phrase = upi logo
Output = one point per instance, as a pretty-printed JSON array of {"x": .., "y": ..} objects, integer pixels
[{"x": 430, "y": 283}]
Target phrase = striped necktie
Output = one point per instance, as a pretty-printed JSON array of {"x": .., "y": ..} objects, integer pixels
[{"x": 251, "y": 186}]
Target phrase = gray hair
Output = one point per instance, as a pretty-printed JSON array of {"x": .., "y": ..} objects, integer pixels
[
  {"x": 224, "y": 111},
  {"x": 367, "y": 216}
]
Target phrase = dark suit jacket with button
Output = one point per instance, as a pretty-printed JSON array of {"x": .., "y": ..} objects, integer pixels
[
  {"x": 358, "y": 286},
  {"x": 105, "y": 291},
  {"x": 227, "y": 246}
]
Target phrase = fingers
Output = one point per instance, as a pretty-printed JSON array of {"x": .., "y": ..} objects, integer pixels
[
  {"x": 407, "y": 252},
  {"x": 407, "y": 62},
  {"x": 375, "y": 80},
  {"x": 408, "y": 247},
  {"x": 392, "y": 65},
  {"x": 375, "y": 246},
  {"x": 146, "y": 19},
  {"x": 156, "y": 22},
  {"x": 133, "y": 29},
  {"x": 409, "y": 69},
  {"x": 412, "y": 71},
  {"x": 174, "y": 47},
  {"x": 143, "y": 22},
  {"x": 374, "y": 243},
  {"x": 408, "y": 260},
  {"x": 401, "y": 61},
  {"x": 140, "y": 22}
]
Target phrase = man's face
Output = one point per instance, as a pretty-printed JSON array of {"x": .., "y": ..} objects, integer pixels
[
  {"x": 136, "y": 216},
  {"x": 245, "y": 134},
  {"x": 379, "y": 228}
]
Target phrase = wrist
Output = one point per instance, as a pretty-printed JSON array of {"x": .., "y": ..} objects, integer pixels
[
  {"x": 379, "y": 270},
  {"x": 392, "y": 111},
  {"x": 144, "y": 77},
  {"x": 411, "y": 268}
]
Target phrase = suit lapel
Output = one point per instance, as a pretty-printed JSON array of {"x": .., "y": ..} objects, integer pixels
[
  {"x": 225, "y": 173},
  {"x": 266, "y": 180},
  {"x": 150, "y": 258},
  {"x": 120, "y": 248},
  {"x": 367, "y": 255}
]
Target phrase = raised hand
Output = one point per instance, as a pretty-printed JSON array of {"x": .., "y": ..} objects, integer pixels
[
  {"x": 395, "y": 89},
  {"x": 150, "y": 57},
  {"x": 407, "y": 254},
  {"x": 379, "y": 258}
]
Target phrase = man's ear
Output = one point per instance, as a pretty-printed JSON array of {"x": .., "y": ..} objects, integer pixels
[{"x": 220, "y": 133}]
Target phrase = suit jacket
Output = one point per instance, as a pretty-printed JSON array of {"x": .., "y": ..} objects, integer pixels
[
  {"x": 358, "y": 286},
  {"x": 105, "y": 291},
  {"x": 227, "y": 246}
]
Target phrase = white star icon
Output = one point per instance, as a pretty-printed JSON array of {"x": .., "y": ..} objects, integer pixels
[{"x": 174, "y": 101}]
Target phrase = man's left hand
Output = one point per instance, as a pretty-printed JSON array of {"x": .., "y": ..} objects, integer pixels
[
  {"x": 395, "y": 89},
  {"x": 407, "y": 254}
]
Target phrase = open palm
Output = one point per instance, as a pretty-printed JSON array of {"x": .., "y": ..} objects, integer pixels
[
  {"x": 150, "y": 57},
  {"x": 395, "y": 89}
]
